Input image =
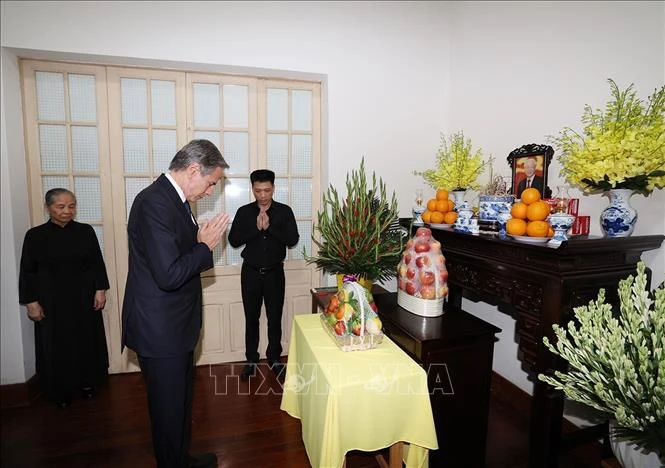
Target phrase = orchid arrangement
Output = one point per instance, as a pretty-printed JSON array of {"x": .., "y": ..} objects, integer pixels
[
  {"x": 457, "y": 165},
  {"x": 620, "y": 147},
  {"x": 616, "y": 364}
]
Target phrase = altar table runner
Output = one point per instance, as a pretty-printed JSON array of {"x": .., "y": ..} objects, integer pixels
[{"x": 359, "y": 400}]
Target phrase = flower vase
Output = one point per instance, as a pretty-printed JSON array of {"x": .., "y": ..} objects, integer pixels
[
  {"x": 458, "y": 197},
  {"x": 630, "y": 455},
  {"x": 619, "y": 218}
]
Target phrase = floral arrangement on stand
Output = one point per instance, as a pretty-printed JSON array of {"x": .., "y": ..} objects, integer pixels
[
  {"x": 457, "y": 165},
  {"x": 622, "y": 147},
  {"x": 616, "y": 364},
  {"x": 359, "y": 234}
]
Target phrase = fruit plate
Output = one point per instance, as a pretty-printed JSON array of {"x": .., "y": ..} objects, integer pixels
[
  {"x": 530, "y": 240},
  {"x": 440, "y": 226},
  {"x": 351, "y": 342}
]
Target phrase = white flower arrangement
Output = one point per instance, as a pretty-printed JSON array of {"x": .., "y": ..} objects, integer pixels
[{"x": 617, "y": 364}]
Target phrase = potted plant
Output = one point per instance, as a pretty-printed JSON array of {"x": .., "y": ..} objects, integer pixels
[
  {"x": 621, "y": 151},
  {"x": 359, "y": 234},
  {"x": 616, "y": 363},
  {"x": 457, "y": 166}
]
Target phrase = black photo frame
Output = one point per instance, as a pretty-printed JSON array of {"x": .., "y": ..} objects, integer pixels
[{"x": 542, "y": 156}]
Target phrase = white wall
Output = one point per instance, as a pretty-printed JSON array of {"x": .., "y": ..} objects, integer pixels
[
  {"x": 398, "y": 74},
  {"x": 17, "y": 355}
]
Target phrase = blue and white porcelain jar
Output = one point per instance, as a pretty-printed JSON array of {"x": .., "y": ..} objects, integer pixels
[
  {"x": 619, "y": 218},
  {"x": 491, "y": 205}
]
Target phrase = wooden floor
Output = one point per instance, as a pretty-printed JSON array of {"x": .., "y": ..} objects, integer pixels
[{"x": 242, "y": 424}]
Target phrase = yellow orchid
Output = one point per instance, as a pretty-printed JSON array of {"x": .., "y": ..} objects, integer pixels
[{"x": 622, "y": 147}]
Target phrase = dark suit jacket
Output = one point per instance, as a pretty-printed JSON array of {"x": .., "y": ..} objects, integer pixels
[
  {"x": 537, "y": 182},
  {"x": 162, "y": 308}
]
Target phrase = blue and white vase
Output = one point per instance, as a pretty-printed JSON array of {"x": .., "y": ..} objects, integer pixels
[
  {"x": 458, "y": 197},
  {"x": 619, "y": 218}
]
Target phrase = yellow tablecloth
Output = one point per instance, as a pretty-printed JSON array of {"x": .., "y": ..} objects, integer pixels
[{"x": 359, "y": 400}]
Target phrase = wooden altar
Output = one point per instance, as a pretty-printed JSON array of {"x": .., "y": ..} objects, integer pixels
[{"x": 539, "y": 285}]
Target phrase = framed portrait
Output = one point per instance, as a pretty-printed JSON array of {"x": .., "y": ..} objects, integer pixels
[{"x": 529, "y": 165}]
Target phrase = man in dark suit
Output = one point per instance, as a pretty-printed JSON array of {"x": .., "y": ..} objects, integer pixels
[
  {"x": 531, "y": 179},
  {"x": 162, "y": 309}
]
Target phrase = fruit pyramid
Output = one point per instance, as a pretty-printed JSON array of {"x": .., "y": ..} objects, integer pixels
[
  {"x": 422, "y": 270},
  {"x": 528, "y": 216},
  {"x": 440, "y": 210}
]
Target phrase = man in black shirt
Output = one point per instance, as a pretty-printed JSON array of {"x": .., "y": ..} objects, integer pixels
[{"x": 266, "y": 228}]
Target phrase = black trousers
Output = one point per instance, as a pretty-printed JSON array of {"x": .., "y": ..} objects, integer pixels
[
  {"x": 258, "y": 288},
  {"x": 170, "y": 383}
]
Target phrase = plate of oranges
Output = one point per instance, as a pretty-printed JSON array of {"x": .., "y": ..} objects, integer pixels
[
  {"x": 530, "y": 240},
  {"x": 529, "y": 218},
  {"x": 440, "y": 211}
]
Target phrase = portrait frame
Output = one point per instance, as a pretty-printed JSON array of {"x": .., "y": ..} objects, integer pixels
[{"x": 542, "y": 154}]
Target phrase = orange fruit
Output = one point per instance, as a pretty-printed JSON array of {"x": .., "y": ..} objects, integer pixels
[
  {"x": 426, "y": 216},
  {"x": 450, "y": 217},
  {"x": 436, "y": 217},
  {"x": 518, "y": 210},
  {"x": 537, "y": 229},
  {"x": 442, "y": 194},
  {"x": 537, "y": 211},
  {"x": 516, "y": 227},
  {"x": 550, "y": 232},
  {"x": 451, "y": 205},
  {"x": 530, "y": 195},
  {"x": 431, "y": 204},
  {"x": 442, "y": 205}
]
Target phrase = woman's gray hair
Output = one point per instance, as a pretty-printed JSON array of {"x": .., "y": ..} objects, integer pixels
[
  {"x": 49, "y": 198},
  {"x": 202, "y": 152}
]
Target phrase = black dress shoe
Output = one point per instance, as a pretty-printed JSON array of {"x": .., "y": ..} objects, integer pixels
[
  {"x": 87, "y": 393},
  {"x": 204, "y": 460},
  {"x": 247, "y": 372}
]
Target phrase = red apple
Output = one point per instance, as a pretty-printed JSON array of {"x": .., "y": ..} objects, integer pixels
[
  {"x": 407, "y": 258},
  {"x": 421, "y": 247},
  {"x": 410, "y": 273},
  {"x": 428, "y": 292},
  {"x": 426, "y": 277},
  {"x": 409, "y": 244},
  {"x": 422, "y": 261},
  {"x": 443, "y": 291},
  {"x": 410, "y": 288},
  {"x": 400, "y": 284},
  {"x": 440, "y": 260},
  {"x": 423, "y": 232},
  {"x": 436, "y": 244},
  {"x": 443, "y": 276}
]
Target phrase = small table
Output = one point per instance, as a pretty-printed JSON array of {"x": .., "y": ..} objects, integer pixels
[{"x": 359, "y": 400}]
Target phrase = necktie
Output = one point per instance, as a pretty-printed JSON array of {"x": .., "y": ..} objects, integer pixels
[
  {"x": 189, "y": 210},
  {"x": 528, "y": 184}
]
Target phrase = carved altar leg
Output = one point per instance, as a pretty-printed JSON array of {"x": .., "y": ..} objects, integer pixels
[{"x": 546, "y": 423}]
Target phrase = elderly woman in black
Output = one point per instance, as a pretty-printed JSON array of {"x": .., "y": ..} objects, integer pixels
[{"x": 63, "y": 283}]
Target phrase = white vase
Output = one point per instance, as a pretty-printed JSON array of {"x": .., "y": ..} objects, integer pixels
[
  {"x": 619, "y": 218},
  {"x": 630, "y": 455},
  {"x": 458, "y": 197}
]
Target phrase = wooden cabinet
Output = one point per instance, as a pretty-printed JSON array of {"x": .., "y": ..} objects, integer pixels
[
  {"x": 541, "y": 285},
  {"x": 456, "y": 351}
]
